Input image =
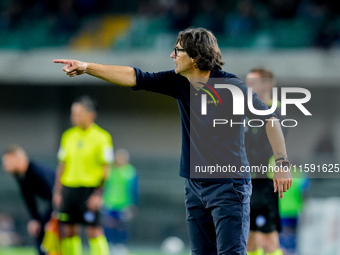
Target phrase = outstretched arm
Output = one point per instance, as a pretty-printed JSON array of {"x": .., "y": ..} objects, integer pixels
[
  {"x": 120, "y": 75},
  {"x": 282, "y": 180}
]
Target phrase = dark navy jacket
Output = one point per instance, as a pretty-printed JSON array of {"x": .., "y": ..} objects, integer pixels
[
  {"x": 203, "y": 144},
  {"x": 38, "y": 181}
]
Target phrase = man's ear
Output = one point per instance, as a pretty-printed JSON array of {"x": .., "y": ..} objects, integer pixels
[{"x": 194, "y": 62}]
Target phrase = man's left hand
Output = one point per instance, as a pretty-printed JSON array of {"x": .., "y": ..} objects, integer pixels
[{"x": 282, "y": 180}]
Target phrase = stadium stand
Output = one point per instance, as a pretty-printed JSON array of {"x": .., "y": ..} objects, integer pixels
[{"x": 101, "y": 24}]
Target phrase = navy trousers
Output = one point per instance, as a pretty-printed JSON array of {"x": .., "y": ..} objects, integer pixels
[{"x": 217, "y": 217}]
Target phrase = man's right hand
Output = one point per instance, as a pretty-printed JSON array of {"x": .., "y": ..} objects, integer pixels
[{"x": 72, "y": 67}]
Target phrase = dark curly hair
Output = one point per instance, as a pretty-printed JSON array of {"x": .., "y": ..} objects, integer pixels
[{"x": 201, "y": 45}]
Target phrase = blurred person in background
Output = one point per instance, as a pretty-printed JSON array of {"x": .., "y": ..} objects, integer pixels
[
  {"x": 120, "y": 201},
  {"x": 217, "y": 208},
  {"x": 8, "y": 234},
  {"x": 35, "y": 181},
  {"x": 264, "y": 204},
  {"x": 85, "y": 153}
]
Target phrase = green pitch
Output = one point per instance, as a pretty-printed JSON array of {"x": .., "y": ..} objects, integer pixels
[
  {"x": 31, "y": 251},
  {"x": 17, "y": 251}
]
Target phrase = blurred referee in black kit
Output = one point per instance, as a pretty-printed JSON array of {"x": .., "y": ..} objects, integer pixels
[
  {"x": 34, "y": 181},
  {"x": 264, "y": 203}
]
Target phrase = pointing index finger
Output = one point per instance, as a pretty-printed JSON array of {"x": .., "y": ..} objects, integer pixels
[
  {"x": 281, "y": 191},
  {"x": 63, "y": 61}
]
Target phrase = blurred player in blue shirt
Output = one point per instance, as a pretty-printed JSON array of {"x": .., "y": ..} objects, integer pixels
[{"x": 120, "y": 200}]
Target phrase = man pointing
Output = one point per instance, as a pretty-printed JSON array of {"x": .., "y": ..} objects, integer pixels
[{"x": 217, "y": 208}]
